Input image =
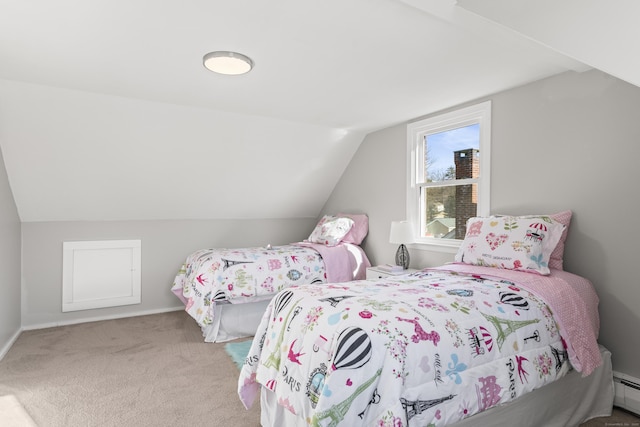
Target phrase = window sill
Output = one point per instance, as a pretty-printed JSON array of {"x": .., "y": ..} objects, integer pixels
[{"x": 446, "y": 246}]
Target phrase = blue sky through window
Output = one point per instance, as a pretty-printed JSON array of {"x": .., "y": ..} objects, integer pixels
[{"x": 441, "y": 145}]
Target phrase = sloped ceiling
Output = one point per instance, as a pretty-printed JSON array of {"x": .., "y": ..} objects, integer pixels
[
  {"x": 107, "y": 113},
  {"x": 601, "y": 33}
]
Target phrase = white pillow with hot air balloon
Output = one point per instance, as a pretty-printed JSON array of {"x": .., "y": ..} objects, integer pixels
[{"x": 510, "y": 242}]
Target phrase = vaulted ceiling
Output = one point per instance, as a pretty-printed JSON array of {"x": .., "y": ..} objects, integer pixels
[{"x": 106, "y": 112}]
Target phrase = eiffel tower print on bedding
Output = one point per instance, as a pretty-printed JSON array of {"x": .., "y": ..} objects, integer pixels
[
  {"x": 245, "y": 275},
  {"x": 429, "y": 348}
]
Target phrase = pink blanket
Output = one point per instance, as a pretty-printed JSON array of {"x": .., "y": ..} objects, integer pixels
[
  {"x": 572, "y": 299},
  {"x": 343, "y": 263}
]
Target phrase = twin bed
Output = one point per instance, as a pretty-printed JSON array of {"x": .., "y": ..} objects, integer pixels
[
  {"x": 226, "y": 291},
  {"x": 502, "y": 336}
]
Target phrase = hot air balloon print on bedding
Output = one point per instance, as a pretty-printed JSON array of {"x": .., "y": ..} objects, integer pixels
[
  {"x": 353, "y": 349},
  {"x": 363, "y": 370}
]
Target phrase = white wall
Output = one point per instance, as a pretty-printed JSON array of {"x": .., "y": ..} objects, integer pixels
[
  {"x": 165, "y": 246},
  {"x": 108, "y": 158},
  {"x": 567, "y": 142},
  {"x": 9, "y": 263}
]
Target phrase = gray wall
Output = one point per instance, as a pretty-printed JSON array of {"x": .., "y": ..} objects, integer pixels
[
  {"x": 571, "y": 141},
  {"x": 165, "y": 245},
  {"x": 9, "y": 263}
]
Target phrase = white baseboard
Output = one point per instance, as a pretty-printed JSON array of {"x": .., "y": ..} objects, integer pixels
[
  {"x": 100, "y": 318},
  {"x": 627, "y": 392},
  {"x": 9, "y": 344}
]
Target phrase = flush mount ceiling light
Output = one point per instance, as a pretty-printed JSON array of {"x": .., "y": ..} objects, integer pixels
[{"x": 231, "y": 63}]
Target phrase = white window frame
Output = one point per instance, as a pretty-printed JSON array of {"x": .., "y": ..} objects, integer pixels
[{"x": 416, "y": 132}]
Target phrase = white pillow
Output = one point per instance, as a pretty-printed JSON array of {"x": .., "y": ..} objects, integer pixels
[
  {"x": 514, "y": 243},
  {"x": 557, "y": 256},
  {"x": 331, "y": 230}
]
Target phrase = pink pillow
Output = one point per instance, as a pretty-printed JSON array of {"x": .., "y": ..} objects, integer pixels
[
  {"x": 359, "y": 230},
  {"x": 557, "y": 255}
]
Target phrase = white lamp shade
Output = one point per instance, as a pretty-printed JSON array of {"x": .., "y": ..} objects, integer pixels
[{"x": 401, "y": 232}]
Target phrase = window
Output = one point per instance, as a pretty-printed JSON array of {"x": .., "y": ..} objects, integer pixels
[{"x": 448, "y": 165}]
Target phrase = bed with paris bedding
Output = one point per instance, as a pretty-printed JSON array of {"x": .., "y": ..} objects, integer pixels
[
  {"x": 227, "y": 290},
  {"x": 431, "y": 348}
]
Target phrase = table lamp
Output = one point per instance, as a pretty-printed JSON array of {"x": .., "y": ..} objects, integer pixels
[{"x": 401, "y": 233}]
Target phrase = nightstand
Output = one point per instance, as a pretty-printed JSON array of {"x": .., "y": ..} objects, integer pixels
[{"x": 378, "y": 273}]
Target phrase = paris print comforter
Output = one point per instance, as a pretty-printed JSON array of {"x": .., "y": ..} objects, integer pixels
[
  {"x": 251, "y": 274},
  {"x": 424, "y": 349}
]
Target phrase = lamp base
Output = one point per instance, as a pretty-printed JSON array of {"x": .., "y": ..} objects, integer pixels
[{"x": 402, "y": 257}]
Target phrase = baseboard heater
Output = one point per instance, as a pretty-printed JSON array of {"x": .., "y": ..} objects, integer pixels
[{"x": 627, "y": 392}]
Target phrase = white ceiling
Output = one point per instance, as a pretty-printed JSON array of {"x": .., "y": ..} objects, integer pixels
[
  {"x": 604, "y": 34},
  {"x": 107, "y": 113}
]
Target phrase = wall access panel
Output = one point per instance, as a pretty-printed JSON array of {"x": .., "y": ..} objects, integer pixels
[{"x": 99, "y": 274}]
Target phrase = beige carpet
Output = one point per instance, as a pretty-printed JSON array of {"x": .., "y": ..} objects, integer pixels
[{"x": 140, "y": 371}]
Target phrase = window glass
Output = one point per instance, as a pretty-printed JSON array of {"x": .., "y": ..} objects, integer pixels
[
  {"x": 447, "y": 210},
  {"x": 448, "y": 158},
  {"x": 440, "y": 158}
]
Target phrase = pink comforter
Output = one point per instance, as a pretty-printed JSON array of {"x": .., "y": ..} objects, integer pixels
[{"x": 573, "y": 301}]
